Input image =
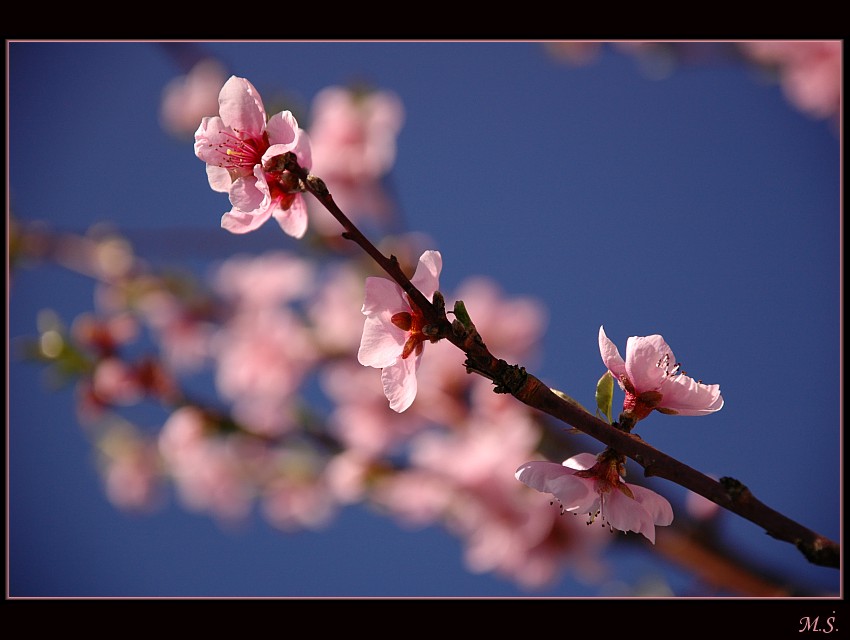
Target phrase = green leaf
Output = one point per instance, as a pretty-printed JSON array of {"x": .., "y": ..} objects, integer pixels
[{"x": 605, "y": 396}]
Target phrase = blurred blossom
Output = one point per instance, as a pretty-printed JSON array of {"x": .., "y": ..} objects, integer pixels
[
  {"x": 242, "y": 152},
  {"x": 182, "y": 432},
  {"x": 334, "y": 310},
  {"x": 414, "y": 497},
  {"x": 131, "y": 469},
  {"x": 512, "y": 328},
  {"x": 392, "y": 334},
  {"x": 104, "y": 335},
  {"x": 182, "y": 332},
  {"x": 503, "y": 529},
  {"x": 115, "y": 382},
  {"x": 262, "y": 355},
  {"x": 267, "y": 415},
  {"x": 576, "y": 52},
  {"x": 810, "y": 72},
  {"x": 297, "y": 496},
  {"x": 652, "y": 379},
  {"x": 477, "y": 454},
  {"x": 361, "y": 419},
  {"x": 353, "y": 137},
  {"x": 209, "y": 472},
  {"x": 187, "y": 99},
  {"x": 701, "y": 508},
  {"x": 268, "y": 280},
  {"x": 346, "y": 476}
]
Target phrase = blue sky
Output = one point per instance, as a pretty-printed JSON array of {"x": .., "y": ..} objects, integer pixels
[{"x": 702, "y": 206}]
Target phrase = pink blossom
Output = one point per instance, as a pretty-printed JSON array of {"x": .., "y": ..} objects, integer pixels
[
  {"x": 592, "y": 484},
  {"x": 652, "y": 379},
  {"x": 393, "y": 333},
  {"x": 242, "y": 150}
]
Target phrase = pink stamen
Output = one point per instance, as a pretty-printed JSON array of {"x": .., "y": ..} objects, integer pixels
[{"x": 241, "y": 152}]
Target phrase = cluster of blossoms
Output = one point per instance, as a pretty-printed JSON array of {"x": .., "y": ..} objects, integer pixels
[
  {"x": 240, "y": 150},
  {"x": 652, "y": 380},
  {"x": 425, "y": 441}
]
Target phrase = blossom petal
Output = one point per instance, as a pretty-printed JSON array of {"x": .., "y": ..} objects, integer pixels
[
  {"x": 241, "y": 107},
  {"x": 581, "y": 461},
  {"x": 656, "y": 505},
  {"x": 539, "y": 474},
  {"x": 381, "y": 344},
  {"x": 627, "y": 514},
  {"x": 611, "y": 356},
  {"x": 293, "y": 220},
  {"x": 219, "y": 178},
  {"x": 687, "y": 397},
  {"x": 251, "y": 193},
  {"x": 427, "y": 276},
  {"x": 643, "y": 355},
  {"x": 383, "y": 295},
  {"x": 237, "y": 221},
  {"x": 286, "y": 139},
  {"x": 282, "y": 128},
  {"x": 575, "y": 494},
  {"x": 399, "y": 381},
  {"x": 303, "y": 149},
  {"x": 210, "y": 133}
]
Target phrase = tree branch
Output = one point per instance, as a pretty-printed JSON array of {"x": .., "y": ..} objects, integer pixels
[{"x": 729, "y": 493}]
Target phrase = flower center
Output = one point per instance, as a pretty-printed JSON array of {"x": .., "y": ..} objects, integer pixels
[
  {"x": 241, "y": 153},
  {"x": 664, "y": 363},
  {"x": 411, "y": 322}
]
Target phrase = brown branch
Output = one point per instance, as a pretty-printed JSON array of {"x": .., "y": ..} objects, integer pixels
[{"x": 727, "y": 492}]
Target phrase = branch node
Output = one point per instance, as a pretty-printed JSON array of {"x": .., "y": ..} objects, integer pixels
[
  {"x": 317, "y": 185},
  {"x": 821, "y": 552},
  {"x": 736, "y": 490},
  {"x": 510, "y": 378}
]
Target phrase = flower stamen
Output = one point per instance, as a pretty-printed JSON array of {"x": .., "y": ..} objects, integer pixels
[{"x": 240, "y": 152}]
